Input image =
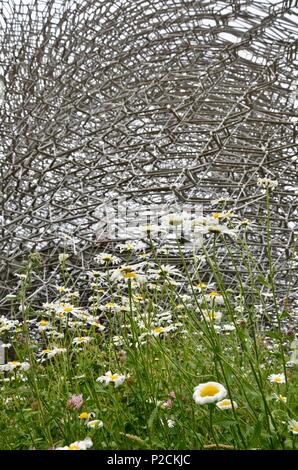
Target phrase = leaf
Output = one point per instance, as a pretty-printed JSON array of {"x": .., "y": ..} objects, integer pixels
[
  {"x": 284, "y": 314},
  {"x": 257, "y": 430},
  {"x": 274, "y": 335}
]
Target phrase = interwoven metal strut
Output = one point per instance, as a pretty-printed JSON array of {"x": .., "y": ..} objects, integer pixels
[{"x": 155, "y": 100}]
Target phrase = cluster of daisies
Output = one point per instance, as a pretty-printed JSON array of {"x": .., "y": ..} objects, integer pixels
[
  {"x": 135, "y": 301},
  {"x": 210, "y": 393},
  {"x": 88, "y": 418},
  {"x": 213, "y": 392},
  {"x": 153, "y": 297}
]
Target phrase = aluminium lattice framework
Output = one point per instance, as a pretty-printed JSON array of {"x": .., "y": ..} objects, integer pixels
[{"x": 154, "y": 100}]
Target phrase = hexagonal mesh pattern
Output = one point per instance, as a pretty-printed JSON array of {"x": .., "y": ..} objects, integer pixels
[{"x": 158, "y": 101}]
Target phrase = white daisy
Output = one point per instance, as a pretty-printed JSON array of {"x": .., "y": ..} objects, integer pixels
[
  {"x": 53, "y": 352},
  {"x": 277, "y": 378},
  {"x": 209, "y": 392},
  {"x": 228, "y": 327},
  {"x": 82, "y": 340},
  {"x": 12, "y": 365},
  {"x": 159, "y": 330},
  {"x": 116, "y": 379},
  {"x": 281, "y": 398},
  {"x": 44, "y": 325},
  {"x": 293, "y": 426},
  {"x": 107, "y": 258},
  {"x": 210, "y": 225},
  {"x": 215, "y": 297},
  {"x": 267, "y": 183},
  {"x": 171, "y": 423},
  {"x": 164, "y": 271},
  {"x": 78, "y": 445},
  {"x": 174, "y": 219},
  {"x": 226, "y": 404},
  {"x": 95, "y": 423},
  {"x": 212, "y": 315}
]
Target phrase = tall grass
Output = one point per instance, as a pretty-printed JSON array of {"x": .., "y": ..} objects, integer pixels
[{"x": 161, "y": 332}]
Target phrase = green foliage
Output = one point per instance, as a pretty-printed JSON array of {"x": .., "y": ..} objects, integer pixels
[{"x": 159, "y": 342}]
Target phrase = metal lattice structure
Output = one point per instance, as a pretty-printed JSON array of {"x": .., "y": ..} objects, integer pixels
[{"x": 155, "y": 100}]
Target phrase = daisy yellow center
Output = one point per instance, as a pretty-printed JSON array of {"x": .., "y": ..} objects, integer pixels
[
  {"x": 126, "y": 270},
  {"x": 68, "y": 309},
  {"x": 294, "y": 427},
  {"x": 74, "y": 447},
  {"x": 46, "y": 351},
  {"x": 212, "y": 315},
  {"x": 43, "y": 323},
  {"x": 214, "y": 294},
  {"x": 225, "y": 403},
  {"x": 158, "y": 330},
  {"x": 209, "y": 391},
  {"x": 114, "y": 377},
  {"x": 110, "y": 305},
  {"x": 216, "y": 215},
  {"x": 277, "y": 379},
  {"x": 130, "y": 275},
  {"x": 201, "y": 285},
  {"x": 81, "y": 338}
]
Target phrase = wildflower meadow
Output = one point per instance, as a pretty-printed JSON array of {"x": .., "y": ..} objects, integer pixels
[{"x": 144, "y": 353}]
